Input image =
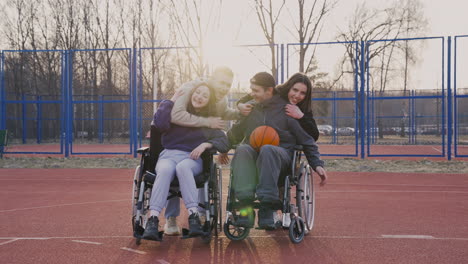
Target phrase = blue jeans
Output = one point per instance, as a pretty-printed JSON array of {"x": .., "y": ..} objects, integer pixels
[{"x": 175, "y": 163}]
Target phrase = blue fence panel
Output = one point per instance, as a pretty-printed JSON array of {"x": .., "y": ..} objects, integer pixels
[
  {"x": 335, "y": 93},
  {"x": 100, "y": 101},
  {"x": 460, "y": 92},
  {"x": 406, "y": 100},
  {"x": 31, "y": 95}
]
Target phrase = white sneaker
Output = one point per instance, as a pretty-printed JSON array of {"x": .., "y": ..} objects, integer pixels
[{"x": 170, "y": 227}]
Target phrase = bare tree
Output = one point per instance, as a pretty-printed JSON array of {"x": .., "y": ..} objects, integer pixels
[
  {"x": 383, "y": 27},
  {"x": 268, "y": 19},
  {"x": 192, "y": 23},
  {"x": 308, "y": 25}
]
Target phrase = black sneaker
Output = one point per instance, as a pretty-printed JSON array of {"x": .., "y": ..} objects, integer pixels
[
  {"x": 266, "y": 219},
  {"x": 195, "y": 227},
  {"x": 246, "y": 218},
  {"x": 151, "y": 230}
]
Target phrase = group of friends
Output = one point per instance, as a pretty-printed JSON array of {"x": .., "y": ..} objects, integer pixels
[{"x": 193, "y": 120}]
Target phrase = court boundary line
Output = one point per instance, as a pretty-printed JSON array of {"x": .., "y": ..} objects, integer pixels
[
  {"x": 383, "y": 236},
  {"x": 60, "y": 205}
]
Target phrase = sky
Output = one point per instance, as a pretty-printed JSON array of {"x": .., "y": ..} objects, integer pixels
[{"x": 445, "y": 18}]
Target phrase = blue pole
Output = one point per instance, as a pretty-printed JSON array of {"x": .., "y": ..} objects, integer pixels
[
  {"x": 100, "y": 118},
  {"x": 455, "y": 108},
  {"x": 362, "y": 114},
  {"x": 2, "y": 92},
  {"x": 356, "y": 104},
  {"x": 282, "y": 63},
  {"x": 134, "y": 129},
  {"x": 39, "y": 119},
  {"x": 287, "y": 60},
  {"x": 449, "y": 97},
  {"x": 23, "y": 118},
  {"x": 68, "y": 105},
  {"x": 334, "y": 140}
]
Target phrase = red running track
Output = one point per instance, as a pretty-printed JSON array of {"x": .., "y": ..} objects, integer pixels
[{"x": 83, "y": 216}]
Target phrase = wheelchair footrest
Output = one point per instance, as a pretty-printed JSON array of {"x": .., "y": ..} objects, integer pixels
[{"x": 186, "y": 234}]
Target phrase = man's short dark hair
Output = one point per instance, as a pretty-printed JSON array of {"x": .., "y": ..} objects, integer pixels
[{"x": 263, "y": 79}]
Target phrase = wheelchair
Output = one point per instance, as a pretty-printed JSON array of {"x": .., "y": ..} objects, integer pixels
[
  {"x": 210, "y": 180},
  {"x": 298, "y": 212}
]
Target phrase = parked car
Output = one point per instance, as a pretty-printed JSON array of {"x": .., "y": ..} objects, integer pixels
[
  {"x": 345, "y": 131},
  {"x": 325, "y": 129}
]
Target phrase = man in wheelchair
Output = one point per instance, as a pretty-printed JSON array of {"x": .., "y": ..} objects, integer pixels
[{"x": 255, "y": 174}]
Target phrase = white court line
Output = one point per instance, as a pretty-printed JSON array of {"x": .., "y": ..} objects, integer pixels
[
  {"x": 437, "y": 150},
  {"x": 401, "y": 185},
  {"x": 80, "y": 180},
  {"x": 162, "y": 261},
  {"x": 134, "y": 250},
  {"x": 75, "y": 237},
  {"x": 87, "y": 242},
  {"x": 257, "y": 236},
  {"x": 58, "y": 205},
  {"x": 409, "y": 236},
  {"x": 390, "y": 191},
  {"x": 7, "y": 242}
]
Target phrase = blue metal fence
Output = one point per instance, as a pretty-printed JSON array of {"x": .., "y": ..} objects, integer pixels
[{"x": 75, "y": 104}]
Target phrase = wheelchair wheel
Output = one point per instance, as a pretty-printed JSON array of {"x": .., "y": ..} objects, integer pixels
[
  {"x": 306, "y": 198},
  {"x": 296, "y": 230},
  {"x": 219, "y": 223},
  {"x": 135, "y": 190},
  {"x": 235, "y": 233},
  {"x": 136, "y": 225}
]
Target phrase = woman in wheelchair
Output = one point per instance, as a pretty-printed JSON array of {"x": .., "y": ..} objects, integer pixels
[{"x": 181, "y": 158}]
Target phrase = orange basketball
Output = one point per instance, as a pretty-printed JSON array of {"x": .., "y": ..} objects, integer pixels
[{"x": 264, "y": 135}]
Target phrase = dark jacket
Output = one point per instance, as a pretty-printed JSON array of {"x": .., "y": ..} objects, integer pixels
[
  {"x": 271, "y": 113},
  {"x": 307, "y": 122},
  {"x": 186, "y": 138}
]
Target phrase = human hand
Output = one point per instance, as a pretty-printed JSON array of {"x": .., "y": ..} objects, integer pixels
[
  {"x": 216, "y": 123},
  {"x": 323, "y": 175},
  {"x": 196, "y": 153},
  {"x": 223, "y": 158},
  {"x": 245, "y": 109},
  {"x": 178, "y": 93},
  {"x": 293, "y": 111}
]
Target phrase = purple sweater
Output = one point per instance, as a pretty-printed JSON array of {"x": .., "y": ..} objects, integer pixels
[{"x": 186, "y": 138}]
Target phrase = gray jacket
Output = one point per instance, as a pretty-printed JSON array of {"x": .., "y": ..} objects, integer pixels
[{"x": 271, "y": 113}]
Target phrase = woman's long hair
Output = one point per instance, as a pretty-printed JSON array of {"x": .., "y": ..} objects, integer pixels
[
  {"x": 209, "y": 109},
  {"x": 283, "y": 89}
]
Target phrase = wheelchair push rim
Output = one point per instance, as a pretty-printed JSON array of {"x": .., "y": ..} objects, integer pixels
[{"x": 306, "y": 198}]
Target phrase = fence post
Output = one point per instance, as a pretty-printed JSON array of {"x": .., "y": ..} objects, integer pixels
[
  {"x": 39, "y": 119},
  {"x": 23, "y": 118},
  {"x": 2, "y": 93},
  {"x": 449, "y": 98},
  {"x": 101, "y": 119},
  {"x": 133, "y": 104},
  {"x": 362, "y": 99}
]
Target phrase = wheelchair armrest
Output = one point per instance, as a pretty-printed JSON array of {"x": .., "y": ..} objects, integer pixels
[
  {"x": 143, "y": 150},
  {"x": 211, "y": 151},
  {"x": 298, "y": 148}
]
